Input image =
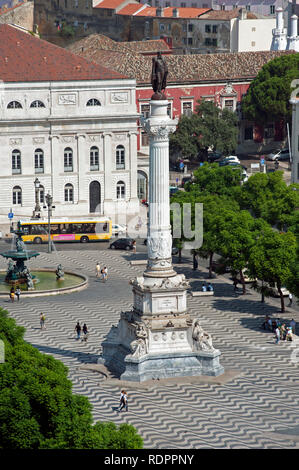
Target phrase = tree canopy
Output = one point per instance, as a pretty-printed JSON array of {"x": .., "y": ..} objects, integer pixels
[
  {"x": 208, "y": 127},
  {"x": 268, "y": 95},
  {"x": 37, "y": 407}
]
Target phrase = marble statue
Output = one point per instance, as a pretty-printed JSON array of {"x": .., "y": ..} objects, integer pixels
[{"x": 201, "y": 339}]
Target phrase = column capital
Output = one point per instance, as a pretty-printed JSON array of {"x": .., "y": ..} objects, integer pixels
[{"x": 160, "y": 130}]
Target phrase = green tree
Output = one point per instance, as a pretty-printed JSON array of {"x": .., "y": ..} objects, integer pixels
[
  {"x": 271, "y": 258},
  {"x": 38, "y": 408},
  {"x": 268, "y": 95},
  {"x": 216, "y": 180},
  {"x": 208, "y": 127}
]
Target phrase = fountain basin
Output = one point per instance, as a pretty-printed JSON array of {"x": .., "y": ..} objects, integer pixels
[{"x": 46, "y": 283}]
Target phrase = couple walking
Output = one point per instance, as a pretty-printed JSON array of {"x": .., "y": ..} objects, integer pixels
[
  {"x": 78, "y": 330},
  {"x": 103, "y": 272},
  {"x": 123, "y": 402}
]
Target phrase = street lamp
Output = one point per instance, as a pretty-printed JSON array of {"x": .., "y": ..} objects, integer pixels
[
  {"x": 37, "y": 209},
  {"x": 49, "y": 200}
]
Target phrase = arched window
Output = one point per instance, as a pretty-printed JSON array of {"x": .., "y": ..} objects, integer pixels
[
  {"x": 14, "y": 105},
  {"x": 39, "y": 161},
  {"x": 16, "y": 162},
  {"x": 37, "y": 104},
  {"x": 17, "y": 195},
  {"x": 94, "y": 158},
  {"x": 120, "y": 190},
  {"x": 68, "y": 159},
  {"x": 120, "y": 157},
  {"x": 68, "y": 193},
  {"x": 93, "y": 102}
]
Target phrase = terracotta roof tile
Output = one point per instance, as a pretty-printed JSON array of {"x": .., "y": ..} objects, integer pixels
[
  {"x": 130, "y": 9},
  {"x": 168, "y": 12},
  {"x": 226, "y": 14},
  {"x": 153, "y": 45},
  {"x": 25, "y": 58},
  {"x": 110, "y": 4},
  {"x": 181, "y": 68}
]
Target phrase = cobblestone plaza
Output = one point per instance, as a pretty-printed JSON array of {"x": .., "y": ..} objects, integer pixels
[{"x": 253, "y": 405}]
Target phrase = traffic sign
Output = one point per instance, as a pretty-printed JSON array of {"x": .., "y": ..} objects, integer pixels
[{"x": 10, "y": 215}]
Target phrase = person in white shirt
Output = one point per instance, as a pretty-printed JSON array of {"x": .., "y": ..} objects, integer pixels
[{"x": 290, "y": 299}]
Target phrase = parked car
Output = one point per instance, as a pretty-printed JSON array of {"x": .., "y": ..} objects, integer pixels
[
  {"x": 173, "y": 190},
  {"x": 118, "y": 229},
  {"x": 283, "y": 154},
  {"x": 185, "y": 180},
  {"x": 122, "y": 244},
  {"x": 227, "y": 160},
  {"x": 213, "y": 156}
]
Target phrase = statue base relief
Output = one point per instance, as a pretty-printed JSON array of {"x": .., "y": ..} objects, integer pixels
[{"x": 158, "y": 339}]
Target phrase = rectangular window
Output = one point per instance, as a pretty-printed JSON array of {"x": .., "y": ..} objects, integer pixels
[
  {"x": 144, "y": 139},
  {"x": 207, "y": 28},
  {"x": 38, "y": 162},
  {"x": 169, "y": 110},
  {"x": 214, "y": 42},
  {"x": 222, "y": 7},
  {"x": 190, "y": 28},
  {"x": 187, "y": 108},
  {"x": 253, "y": 29},
  {"x": 214, "y": 28},
  {"x": 248, "y": 7},
  {"x": 229, "y": 104},
  {"x": 162, "y": 27},
  {"x": 190, "y": 41},
  {"x": 145, "y": 110},
  {"x": 272, "y": 9},
  {"x": 16, "y": 164},
  {"x": 248, "y": 133}
]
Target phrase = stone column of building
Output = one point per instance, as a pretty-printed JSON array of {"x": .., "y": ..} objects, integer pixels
[
  {"x": 133, "y": 170},
  {"x": 108, "y": 168},
  {"x": 82, "y": 163},
  {"x": 56, "y": 165}
]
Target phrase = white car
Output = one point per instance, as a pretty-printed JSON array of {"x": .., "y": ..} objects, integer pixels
[
  {"x": 232, "y": 158},
  {"x": 283, "y": 154},
  {"x": 118, "y": 229}
]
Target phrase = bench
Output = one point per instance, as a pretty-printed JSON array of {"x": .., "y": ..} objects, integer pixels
[{"x": 201, "y": 293}]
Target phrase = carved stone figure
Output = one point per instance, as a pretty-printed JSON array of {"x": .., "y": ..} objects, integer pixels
[
  {"x": 201, "y": 339},
  {"x": 139, "y": 345},
  {"x": 59, "y": 273},
  {"x": 159, "y": 76}
]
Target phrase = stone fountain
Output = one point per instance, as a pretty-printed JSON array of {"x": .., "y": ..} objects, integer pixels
[{"x": 18, "y": 272}]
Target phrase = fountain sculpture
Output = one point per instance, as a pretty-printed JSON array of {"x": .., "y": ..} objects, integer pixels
[{"x": 19, "y": 273}]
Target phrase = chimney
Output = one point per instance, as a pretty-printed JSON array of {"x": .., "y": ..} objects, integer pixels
[
  {"x": 160, "y": 11},
  {"x": 175, "y": 13},
  {"x": 242, "y": 14},
  {"x": 279, "y": 19},
  {"x": 294, "y": 26}
]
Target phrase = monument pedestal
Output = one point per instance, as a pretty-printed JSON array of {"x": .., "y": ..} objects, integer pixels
[{"x": 158, "y": 339}]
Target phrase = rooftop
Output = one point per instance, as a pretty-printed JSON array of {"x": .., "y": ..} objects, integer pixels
[
  {"x": 25, "y": 58},
  {"x": 181, "y": 68},
  {"x": 227, "y": 14},
  {"x": 112, "y": 4},
  {"x": 150, "y": 46},
  {"x": 168, "y": 12}
]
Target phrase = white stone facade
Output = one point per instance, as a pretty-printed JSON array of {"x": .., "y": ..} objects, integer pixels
[{"x": 53, "y": 140}]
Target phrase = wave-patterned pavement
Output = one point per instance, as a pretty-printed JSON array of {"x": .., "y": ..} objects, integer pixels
[{"x": 258, "y": 408}]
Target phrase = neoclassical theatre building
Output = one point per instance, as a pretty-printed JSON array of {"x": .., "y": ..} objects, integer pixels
[{"x": 68, "y": 122}]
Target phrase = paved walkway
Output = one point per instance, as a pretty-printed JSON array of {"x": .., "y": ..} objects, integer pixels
[{"x": 256, "y": 408}]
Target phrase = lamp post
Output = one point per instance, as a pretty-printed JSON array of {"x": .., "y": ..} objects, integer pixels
[
  {"x": 49, "y": 200},
  {"x": 37, "y": 209}
]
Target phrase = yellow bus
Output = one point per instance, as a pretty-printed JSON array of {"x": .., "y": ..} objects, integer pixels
[{"x": 63, "y": 230}]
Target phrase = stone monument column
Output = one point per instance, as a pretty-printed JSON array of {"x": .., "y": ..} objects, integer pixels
[
  {"x": 158, "y": 338},
  {"x": 159, "y": 241}
]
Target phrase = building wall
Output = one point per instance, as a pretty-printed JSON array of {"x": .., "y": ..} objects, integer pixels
[
  {"x": 252, "y": 35},
  {"x": 259, "y": 8},
  {"x": 23, "y": 16},
  {"x": 66, "y": 121}
]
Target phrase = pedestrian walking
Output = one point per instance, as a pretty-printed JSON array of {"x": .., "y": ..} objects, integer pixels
[
  {"x": 235, "y": 282},
  {"x": 18, "y": 293},
  {"x": 98, "y": 269},
  {"x": 134, "y": 246},
  {"x": 78, "y": 330},
  {"x": 123, "y": 402},
  {"x": 293, "y": 325},
  {"x": 277, "y": 335},
  {"x": 42, "y": 319},
  {"x": 12, "y": 294},
  {"x": 104, "y": 274},
  {"x": 85, "y": 332},
  {"x": 290, "y": 299}
]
